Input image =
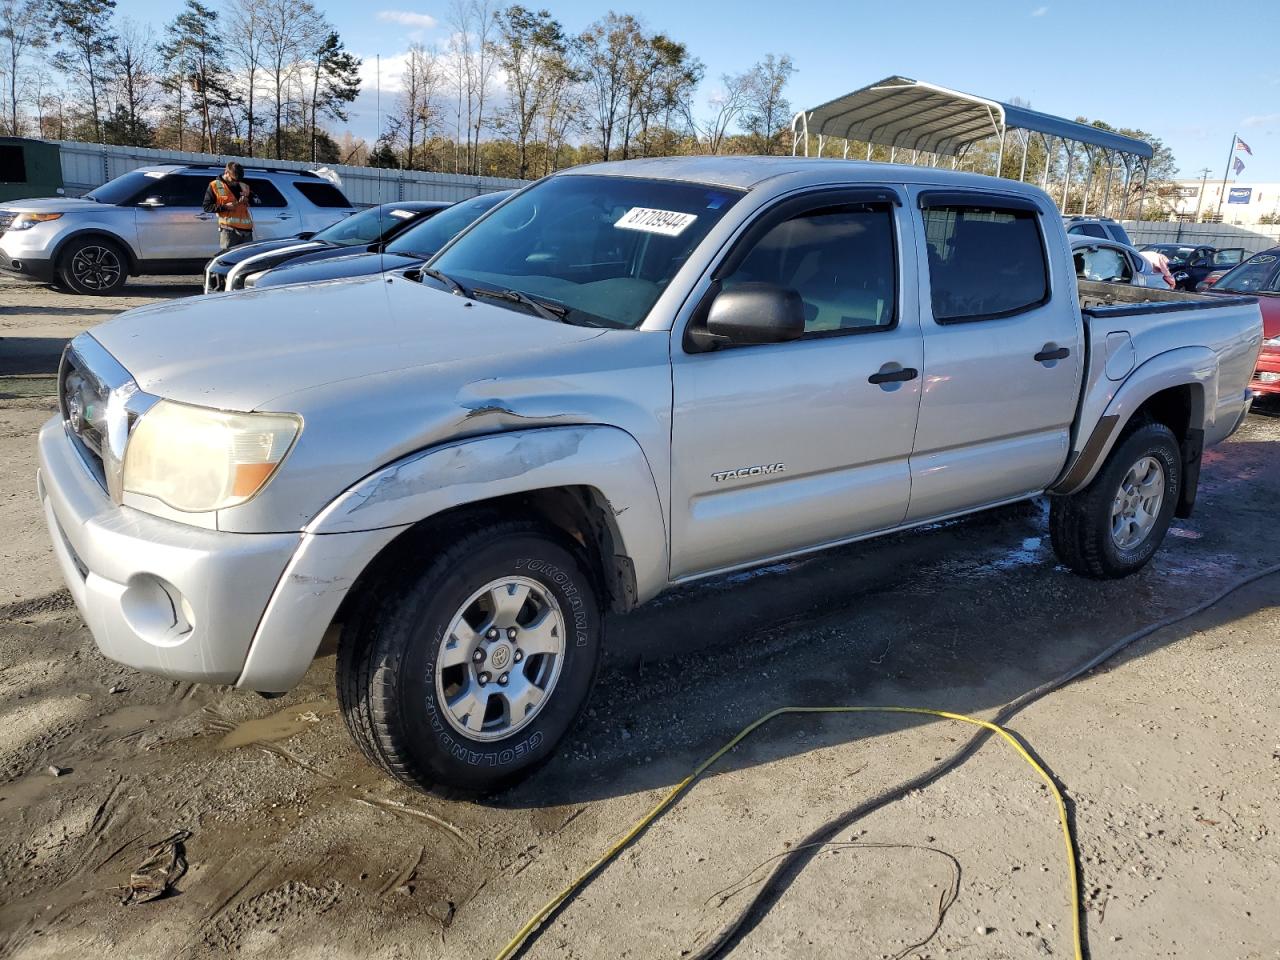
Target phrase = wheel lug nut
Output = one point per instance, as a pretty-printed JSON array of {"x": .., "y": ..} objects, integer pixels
[
  {"x": 484, "y": 678},
  {"x": 478, "y": 656},
  {"x": 502, "y": 680},
  {"x": 518, "y": 656},
  {"x": 492, "y": 633},
  {"x": 511, "y": 633}
]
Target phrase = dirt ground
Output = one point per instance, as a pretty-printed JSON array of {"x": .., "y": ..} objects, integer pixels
[{"x": 1170, "y": 755}]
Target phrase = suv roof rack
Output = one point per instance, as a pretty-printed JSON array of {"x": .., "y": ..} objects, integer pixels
[
  {"x": 1079, "y": 216},
  {"x": 251, "y": 169}
]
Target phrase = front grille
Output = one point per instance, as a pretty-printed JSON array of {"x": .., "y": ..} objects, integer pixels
[
  {"x": 82, "y": 398},
  {"x": 6, "y": 219}
]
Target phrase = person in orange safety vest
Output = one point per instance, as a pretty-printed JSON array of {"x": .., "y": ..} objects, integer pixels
[{"x": 228, "y": 197}]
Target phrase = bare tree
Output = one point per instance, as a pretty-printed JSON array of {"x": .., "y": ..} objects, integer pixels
[
  {"x": 286, "y": 26},
  {"x": 132, "y": 66},
  {"x": 419, "y": 83},
  {"x": 530, "y": 47},
  {"x": 24, "y": 27},
  {"x": 472, "y": 48},
  {"x": 767, "y": 109},
  {"x": 244, "y": 44},
  {"x": 608, "y": 52},
  {"x": 727, "y": 104}
]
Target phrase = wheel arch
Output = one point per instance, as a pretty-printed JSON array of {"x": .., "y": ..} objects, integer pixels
[
  {"x": 99, "y": 233},
  {"x": 1178, "y": 389}
]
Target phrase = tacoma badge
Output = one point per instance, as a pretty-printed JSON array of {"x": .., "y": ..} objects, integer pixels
[{"x": 741, "y": 472}]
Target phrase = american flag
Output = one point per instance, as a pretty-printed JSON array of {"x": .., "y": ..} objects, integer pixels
[
  {"x": 1238, "y": 166},
  {"x": 1241, "y": 145}
]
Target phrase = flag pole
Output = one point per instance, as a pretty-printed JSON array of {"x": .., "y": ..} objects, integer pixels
[{"x": 1223, "y": 194}]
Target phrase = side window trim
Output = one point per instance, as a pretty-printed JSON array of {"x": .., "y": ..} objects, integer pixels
[
  {"x": 994, "y": 201},
  {"x": 789, "y": 208}
]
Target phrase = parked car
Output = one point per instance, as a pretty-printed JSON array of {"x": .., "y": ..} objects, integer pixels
[
  {"x": 150, "y": 221},
  {"x": 367, "y": 231},
  {"x": 410, "y": 249},
  {"x": 1101, "y": 228},
  {"x": 1259, "y": 276},
  {"x": 1191, "y": 263},
  {"x": 627, "y": 377},
  {"x": 1108, "y": 261},
  {"x": 1223, "y": 261}
]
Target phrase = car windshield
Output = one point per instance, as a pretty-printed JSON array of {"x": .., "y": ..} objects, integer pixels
[
  {"x": 602, "y": 249},
  {"x": 1175, "y": 254},
  {"x": 367, "y": 226},
  {"x": 1256, "y": 273},
  {"x": 425, "y": 239},
  {"x": 126, "y": 187}
]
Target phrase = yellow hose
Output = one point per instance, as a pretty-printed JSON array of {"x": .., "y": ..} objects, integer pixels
[{"x": 640, "y": 825}]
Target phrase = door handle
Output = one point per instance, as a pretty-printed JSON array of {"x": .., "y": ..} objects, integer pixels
[
  {"x": 894, "y": 376},
  {"x": 285, "y": 216},
  {"x": 1045, "y": 355}
]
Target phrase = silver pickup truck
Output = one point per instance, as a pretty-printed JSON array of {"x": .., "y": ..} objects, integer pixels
[{"x": 624, "y": 377}]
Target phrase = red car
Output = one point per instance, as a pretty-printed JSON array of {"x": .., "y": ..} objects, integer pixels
[{"x": 1259, "y": 276}]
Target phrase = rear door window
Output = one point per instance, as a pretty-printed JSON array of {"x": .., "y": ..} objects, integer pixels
[
  {"x": 1106, "y": 264},
  {"x": 1088, "y": 230},
  {"x": 265, "y": 193},
  {"x": 986, "y": 260},
  {"x": 181, "y": 190},
  {"x": 322, "y": 194}
]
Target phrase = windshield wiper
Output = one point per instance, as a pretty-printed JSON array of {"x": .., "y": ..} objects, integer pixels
[
  {"x": 447, "y": 280},
  {"x": 544, "y": 309}
]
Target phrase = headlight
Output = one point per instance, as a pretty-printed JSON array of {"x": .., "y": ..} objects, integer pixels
[
  {"x": 252, "y": 279},
  {"x": 195, "y": 459},
  {"x": 25, "y": 221}
]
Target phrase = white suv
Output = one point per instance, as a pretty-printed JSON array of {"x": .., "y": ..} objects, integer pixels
[{"x": 151, "y": 221}]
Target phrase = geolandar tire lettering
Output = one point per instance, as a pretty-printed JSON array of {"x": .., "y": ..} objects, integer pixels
[
  {"x": 1114, "y": 526},
  {"x": 467, "y": 670}
]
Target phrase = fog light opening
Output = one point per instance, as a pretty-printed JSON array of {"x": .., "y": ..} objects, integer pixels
[{"x": 156, "y": 610}]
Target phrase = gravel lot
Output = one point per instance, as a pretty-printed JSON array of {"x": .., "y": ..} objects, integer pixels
[{"x": 1170, "y": 754}]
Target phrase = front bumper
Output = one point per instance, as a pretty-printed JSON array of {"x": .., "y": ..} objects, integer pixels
[
  {"x": 189, "y": 603},
  {"x": 40, "y": 271},
  {"x": 28, "y": 253},
  {"x": 1266, "y": 377}
]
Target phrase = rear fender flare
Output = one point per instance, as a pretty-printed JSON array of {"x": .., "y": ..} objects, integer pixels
[{"x": 1196, "y": 367}]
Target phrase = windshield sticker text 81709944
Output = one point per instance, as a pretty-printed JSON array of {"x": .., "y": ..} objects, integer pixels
[{"x": 669, "y": 223}]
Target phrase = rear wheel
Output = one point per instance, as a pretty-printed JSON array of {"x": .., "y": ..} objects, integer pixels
[
  {"x": 1112, "y": 527},
  {"x": 93, "y": 266},
  {"x": 466, "y": 672}
]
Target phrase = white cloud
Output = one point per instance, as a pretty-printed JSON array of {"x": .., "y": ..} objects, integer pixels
[
  {"x": 406, "y": 18},
  {"x": 1263, "y": 120},
  {"x": 1037, "y": 12}
]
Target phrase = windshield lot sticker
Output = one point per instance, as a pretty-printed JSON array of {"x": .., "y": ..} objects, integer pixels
[
  {"x": 402, "y": 214},
  {"x": 669, "y": 223}
]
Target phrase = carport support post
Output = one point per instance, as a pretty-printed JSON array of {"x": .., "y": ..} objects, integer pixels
[
  {"x": 1088, "y": 180},
  {"x": 1026, "y": 142},
  {"x": 1142, "y": 197},
  {"x": 1066, "y": 177},
  {"x": 1000, "y": 156},
  {"x": 1106, "y": 191}
]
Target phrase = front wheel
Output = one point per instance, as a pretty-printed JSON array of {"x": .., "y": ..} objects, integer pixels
[
  {"x": 467, "y": 671},
  {"x": 1112, "y": 527},
  {"x": 93, "y": 266}
]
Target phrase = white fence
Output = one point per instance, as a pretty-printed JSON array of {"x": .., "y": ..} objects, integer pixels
[
  {"x": 88, "y": 165},
  {"x": 1252, "y": 239}
]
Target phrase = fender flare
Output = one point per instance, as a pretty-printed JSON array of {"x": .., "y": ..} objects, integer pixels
[
  {"x": 354, "y": 528},
  {"x": 1196, "y": 367}
]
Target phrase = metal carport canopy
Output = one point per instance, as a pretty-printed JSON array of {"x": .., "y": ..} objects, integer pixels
[{"x": 914, "y": 115}]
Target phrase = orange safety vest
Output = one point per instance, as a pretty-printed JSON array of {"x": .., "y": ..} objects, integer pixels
[{"x": 237, "y": 218}]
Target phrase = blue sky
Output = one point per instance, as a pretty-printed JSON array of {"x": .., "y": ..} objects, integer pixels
[{"x": 1191, "y": 75}]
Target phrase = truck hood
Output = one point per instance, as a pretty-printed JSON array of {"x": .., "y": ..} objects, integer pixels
[
  {"x": 240, "y": 351},
  {"x": 348, "y": 264},
  {"x": 52, "y": 205}
]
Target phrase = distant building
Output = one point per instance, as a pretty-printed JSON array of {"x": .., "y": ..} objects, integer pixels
[{"x": 1246, "y": 203}]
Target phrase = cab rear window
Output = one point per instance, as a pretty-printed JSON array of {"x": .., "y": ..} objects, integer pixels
[{"x": 321, "y": 194}]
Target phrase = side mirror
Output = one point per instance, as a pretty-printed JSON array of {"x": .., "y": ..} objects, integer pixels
[
  {"x": 756, "y": 313},
  {"x": 305, "y": 235},
  {"x": 152, "y": 203}
]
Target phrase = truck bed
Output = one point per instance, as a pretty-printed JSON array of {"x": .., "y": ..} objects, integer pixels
[{"x": 1099, "y": 299}]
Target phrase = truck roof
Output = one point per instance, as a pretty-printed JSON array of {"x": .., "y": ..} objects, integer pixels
[{"x": 746, "y": 173}]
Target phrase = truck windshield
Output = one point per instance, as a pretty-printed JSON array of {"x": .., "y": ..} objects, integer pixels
[
  {"x": 1257, "y": 273},
  {"x": 599, "y": 249}
]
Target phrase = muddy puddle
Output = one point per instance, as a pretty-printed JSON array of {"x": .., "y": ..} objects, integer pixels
[{"x": 278, "y": 726}]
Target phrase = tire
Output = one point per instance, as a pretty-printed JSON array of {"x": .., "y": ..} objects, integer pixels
[
  {"x": 93, "y": 266},
  {"x": 403, "y": 660},
  {"x": 1088, "y": 535}
]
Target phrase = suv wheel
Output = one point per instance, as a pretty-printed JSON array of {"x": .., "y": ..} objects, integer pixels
[
  {"x": 1112, "y": 527},
  {"x": 467, "y": 671},
  {"x": 93, "y": 266}
]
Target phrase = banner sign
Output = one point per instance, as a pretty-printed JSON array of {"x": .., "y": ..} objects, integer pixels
[{"x": 1240, "y": 195}]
